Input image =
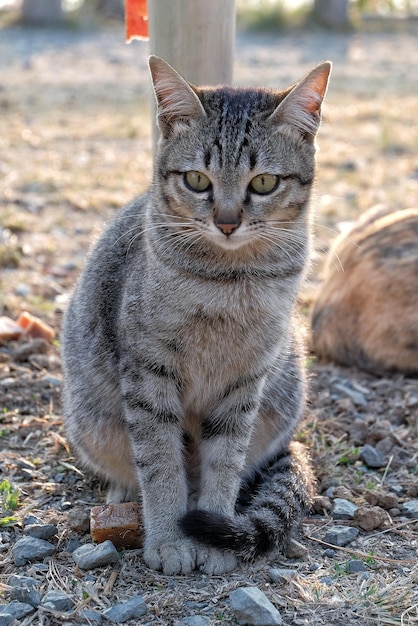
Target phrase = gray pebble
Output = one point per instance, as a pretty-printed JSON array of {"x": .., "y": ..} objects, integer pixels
[
  {"x": 53, "y": 381},
  {"x": 120, "y": 613},
  {"x": 329, "y": 552},
  {"x": 6, "y": 619},
  {"x": 325, "y": 580},
  {"x": 397, "y": 489},
  {"x": 57, "y": 601},
  {"x": 23, "y": 589},
  {"x": 410, "y": 509},
  {"x": 195, "y": 620},
  {"x": 41, "y": 531},
  {"x": 17, "y": 610},
  {"x": 31, "y": 519},
  {"x": 22, "y": 290},
  {"x": 251, "y": 606},
  {"x": 340, "y": 535},
  {"x": 92, "y": 617},
  {"x": 31, "y": 549},
  {"x": 372, "y": 457},
  {"x": 73, "y": 544},
  {"x": 89, "y": 556},
  {"x": 281, "y": 574},
  {"x": 355, "y": 566},
  {"x": 356, "y": 396},
  {"x": 343, "y": 509}
]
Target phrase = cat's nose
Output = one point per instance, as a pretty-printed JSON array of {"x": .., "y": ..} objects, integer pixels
[{"x": 227, "y": 227}]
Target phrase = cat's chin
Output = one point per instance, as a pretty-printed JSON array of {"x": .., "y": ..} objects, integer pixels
[{"x": 233, "y": 242}]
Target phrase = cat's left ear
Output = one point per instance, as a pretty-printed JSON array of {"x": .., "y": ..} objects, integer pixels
[
  {"x": 301, "y": 108},
  {"x": 176, "y": 100}
]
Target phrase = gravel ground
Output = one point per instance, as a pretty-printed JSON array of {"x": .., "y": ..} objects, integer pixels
[{"x": 74, "y": 146}]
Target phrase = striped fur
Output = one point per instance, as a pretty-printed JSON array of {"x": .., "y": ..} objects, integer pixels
[{"x": 183, "y": 375}]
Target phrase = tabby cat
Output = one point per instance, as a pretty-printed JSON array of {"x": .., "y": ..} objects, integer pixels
[{"x": 183, "y": 373}]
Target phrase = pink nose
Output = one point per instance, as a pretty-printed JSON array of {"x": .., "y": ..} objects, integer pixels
[{"x": 229, "y": 228}]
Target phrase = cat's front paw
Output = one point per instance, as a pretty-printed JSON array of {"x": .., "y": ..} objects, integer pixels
[
  {"x": 215, "y": 562},
  {"x": 175, "y": 557}
]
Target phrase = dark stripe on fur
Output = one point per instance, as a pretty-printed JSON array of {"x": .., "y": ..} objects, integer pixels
[
  {"x": 302, "y": 181},
  {"x": 135, "y": 402},
  {"x": 282, "y": 491}
]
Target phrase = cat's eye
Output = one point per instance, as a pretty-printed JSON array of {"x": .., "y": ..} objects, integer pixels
[
  {"x": 197, "y": 181},
  {"x": 264, "y": 184}
]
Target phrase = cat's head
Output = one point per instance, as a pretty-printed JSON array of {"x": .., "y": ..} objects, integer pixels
[{"x": 235, "y": 166}]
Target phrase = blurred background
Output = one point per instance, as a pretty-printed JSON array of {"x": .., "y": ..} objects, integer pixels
[
  {"x": 255, "y": 14},
  {"x": 75, "y": 121}
]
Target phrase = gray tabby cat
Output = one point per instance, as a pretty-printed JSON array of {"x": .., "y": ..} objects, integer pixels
[{"x": 183, "y": 373}]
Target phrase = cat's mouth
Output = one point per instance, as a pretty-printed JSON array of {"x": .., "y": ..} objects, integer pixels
[{"x": 230, "y": 236}]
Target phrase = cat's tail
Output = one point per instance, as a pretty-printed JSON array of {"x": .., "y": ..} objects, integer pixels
[{"x": 271, "y": 502}]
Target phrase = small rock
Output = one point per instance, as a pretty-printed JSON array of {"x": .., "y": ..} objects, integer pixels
[
  {"x": 356, "y": 396},
  {"x": 52, "y": 381},
  {"x": 17, "y": 610},
  {"x": 120, "y": 613},
  {"x": 57, "y": 601},
  {"x": 23, "y": 589},
  {"x": 395, "y": 512},
  {"x": 89, "y": 556},
  {"x": 251, "y": 606},
  {"x": 295, "y": 550},
  {"x": 358, "y": 431},
  {"x": 22, "y": 290},
  {"x": 410, "y": 509},
  {"x": 355, "y": 566},
  {"x": 343, "y": 509},
  {"x": 325, "y": 580},
  {"x": 342, "y": 492},
  {"x": 397, "y": 489},
  {"x": 321, "y": 504},
  {"x": 31, "y": 519},
  {"x": 329, "y": 552},
  {"x": 41, "y": 531},
  {"x": 281, "y": 574},
  {"x": 35, "y": 346},
  {"x": 372, "y": 457},
  {"x": 78, "y": 519},
  {"x": 31, "y": 549},
  {"x": 385, "y": 500},
  {"x": 92, "y": 617},
  {"x": 370, "y": 517},
  {"x": 73, "y": 544},
  {"x": 195, "y": 620},
  {"x": 385, "y": 445},
  {"x": 340, "y": 535},
  {"x": 329, "y": 493}
]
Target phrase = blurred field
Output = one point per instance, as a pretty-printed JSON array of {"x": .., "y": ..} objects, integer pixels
[{"x": 75, "y": 127}]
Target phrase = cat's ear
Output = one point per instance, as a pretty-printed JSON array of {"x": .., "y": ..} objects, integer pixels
[
  {"x": 301, "y": 108},
  {"x": 176, "y": 99}
]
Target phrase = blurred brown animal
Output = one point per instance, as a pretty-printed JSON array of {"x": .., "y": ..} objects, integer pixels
[{"x": 366, "y": 313}]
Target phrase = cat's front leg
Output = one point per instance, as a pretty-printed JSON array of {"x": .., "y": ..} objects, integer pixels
[
  {"x": 225, "y": 439},
  {"x": 153, "y": 419}
]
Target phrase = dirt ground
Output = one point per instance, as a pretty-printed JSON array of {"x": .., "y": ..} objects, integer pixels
[{"x": 75, "y": 146}]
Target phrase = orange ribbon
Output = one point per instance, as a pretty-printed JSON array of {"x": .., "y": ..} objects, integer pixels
[{"x": 136, "y": 19}]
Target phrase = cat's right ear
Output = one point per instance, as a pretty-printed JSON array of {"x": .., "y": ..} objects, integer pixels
[{"x": 177, "y": 102}]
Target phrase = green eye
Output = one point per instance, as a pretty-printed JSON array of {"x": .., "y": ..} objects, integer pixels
[
  {"x": 264, "y": 184},
  {"x": 196, "y": 181}
]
